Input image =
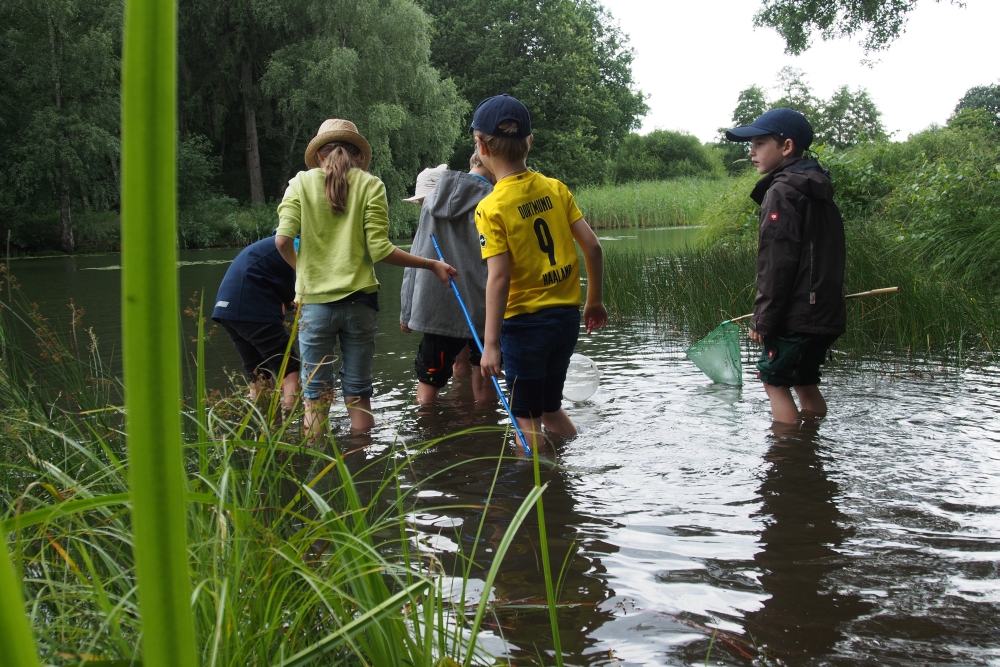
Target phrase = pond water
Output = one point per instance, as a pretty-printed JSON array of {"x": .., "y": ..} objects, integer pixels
[{"x": 678, "y": 511}]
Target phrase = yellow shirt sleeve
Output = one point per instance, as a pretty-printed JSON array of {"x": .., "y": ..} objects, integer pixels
[
  {"x": 492, "y": 231},
  {"x": 573, "y": 212},
  {"x": 290, "y": 211}
]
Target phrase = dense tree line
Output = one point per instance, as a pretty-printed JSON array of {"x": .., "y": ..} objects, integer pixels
[{"x": 257, "y": 77}]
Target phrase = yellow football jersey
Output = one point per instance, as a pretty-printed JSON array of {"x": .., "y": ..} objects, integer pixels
[{"x": 528, "y": 216}]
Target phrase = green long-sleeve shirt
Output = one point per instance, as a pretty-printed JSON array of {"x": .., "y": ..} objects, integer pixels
[{"x": 337, "y": 251}]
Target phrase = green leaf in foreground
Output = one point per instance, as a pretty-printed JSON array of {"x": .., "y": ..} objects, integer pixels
[{"x": 150, "y": 326}]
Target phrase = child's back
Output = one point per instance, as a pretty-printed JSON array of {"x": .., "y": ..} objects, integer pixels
[{"x": 527, "y": 228}]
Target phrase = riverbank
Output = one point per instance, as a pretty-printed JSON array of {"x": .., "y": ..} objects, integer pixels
[{"x": 223, "y": 222}]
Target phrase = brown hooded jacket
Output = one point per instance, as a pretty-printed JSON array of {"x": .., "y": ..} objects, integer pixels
[{"x": 800, "y": 253}]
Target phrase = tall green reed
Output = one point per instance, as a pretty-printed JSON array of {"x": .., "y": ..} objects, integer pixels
[
  {"x": 692, "y": 292},
  {"x": 150, "y": 328},
  {"x": 649, "y": 203}
]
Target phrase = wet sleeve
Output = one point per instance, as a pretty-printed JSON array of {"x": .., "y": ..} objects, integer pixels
[
  {"x": 290, "y": 211},
  {"x": 778, "y": 253},
  {"x": 376, "y": 223},
  {"x": 492, "y": 231}
]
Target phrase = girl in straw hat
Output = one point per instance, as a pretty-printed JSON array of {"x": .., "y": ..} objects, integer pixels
[{"x": 340, "y": 212}]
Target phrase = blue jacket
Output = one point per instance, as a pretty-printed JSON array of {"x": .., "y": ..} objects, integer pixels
[{"x": 256, "y": 285}]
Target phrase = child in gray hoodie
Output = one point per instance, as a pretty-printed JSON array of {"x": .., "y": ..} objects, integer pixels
[{"x": 429, "y": 306}]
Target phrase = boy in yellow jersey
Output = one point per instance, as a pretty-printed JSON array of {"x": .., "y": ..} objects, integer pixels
[{"x": 527, "y": 227}]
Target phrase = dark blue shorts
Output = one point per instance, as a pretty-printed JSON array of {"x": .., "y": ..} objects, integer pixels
[{"x": 536, "y": 348}]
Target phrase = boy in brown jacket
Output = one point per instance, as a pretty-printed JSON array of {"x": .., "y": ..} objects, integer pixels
[{"x": 799, "y": 310}]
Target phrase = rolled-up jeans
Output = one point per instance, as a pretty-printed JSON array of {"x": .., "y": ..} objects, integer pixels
[{"x": 320, "y": 325}]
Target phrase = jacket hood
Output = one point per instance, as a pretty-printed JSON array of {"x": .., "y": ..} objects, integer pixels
[
  {"x": 456, "y": 195},
  {"x": 805, "y": 175}
]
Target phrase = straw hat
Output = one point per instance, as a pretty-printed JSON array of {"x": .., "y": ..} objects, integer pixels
[
  {"x": 335, "y": 129},
  {"x": 427, "y": 180}
]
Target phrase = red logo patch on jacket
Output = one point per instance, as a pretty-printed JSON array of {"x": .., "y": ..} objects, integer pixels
[{"x": 774, "y": 216}]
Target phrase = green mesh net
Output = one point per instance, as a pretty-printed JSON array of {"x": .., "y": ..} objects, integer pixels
[{"x": 718, "y": 354}]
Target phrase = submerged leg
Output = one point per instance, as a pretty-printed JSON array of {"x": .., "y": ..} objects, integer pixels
[
  {"x": 426, "y": 393},
  {"x": 559, "y": 423},
  {"x": 360, "y": 411},
  {"x": 812, "y": 401},
  {"x": 782, "y": 405},
  {"x": 315, "y": 420}
]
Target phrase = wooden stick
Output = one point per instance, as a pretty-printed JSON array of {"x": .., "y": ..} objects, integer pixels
[{"x": 881, "y": 290}]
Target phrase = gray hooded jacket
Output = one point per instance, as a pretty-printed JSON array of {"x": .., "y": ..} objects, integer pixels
[{"x": 427, "y": 304}]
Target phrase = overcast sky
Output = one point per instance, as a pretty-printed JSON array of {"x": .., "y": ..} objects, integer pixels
[{"x": 694, "y": 56}]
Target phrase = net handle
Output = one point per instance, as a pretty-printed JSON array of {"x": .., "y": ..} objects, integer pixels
[{"x": 871, "y": 292}]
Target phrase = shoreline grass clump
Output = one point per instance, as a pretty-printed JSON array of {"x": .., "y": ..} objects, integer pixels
[
  {"x": 672, "y": 203},
  {"x": 692, "y": 292},
  {"x": 291, "y": 560}
]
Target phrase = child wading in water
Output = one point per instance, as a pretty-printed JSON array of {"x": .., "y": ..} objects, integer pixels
[
  {"x": 429, "y": 306},
  {"x": 258, "y": 288},
  {"x": 342, "y": 213},
  {"x": 526, "y": 230},
  {"x": 800, "y": 308}
]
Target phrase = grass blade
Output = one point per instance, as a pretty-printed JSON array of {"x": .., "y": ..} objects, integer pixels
[
  {"x": 150, "y": 329},
  {"x": 16, "y": 643}
]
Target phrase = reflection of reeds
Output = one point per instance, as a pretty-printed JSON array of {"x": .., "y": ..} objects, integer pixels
[
  {"x": 692, "y": 292},
  {"x": 649, "y": 204}
]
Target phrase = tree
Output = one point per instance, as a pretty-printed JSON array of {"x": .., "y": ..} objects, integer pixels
[
  {"x": 877, "y": 22},
  {"x": 750, "y": 104},
  {"x": 60, "y": 117},
  {"x": 661, "y": 155},
  {"x": 565, "y": 59},
  {"x": 795, "y": 93},
  {"x": 223, "y": 50},
  {"x": 986, "y": 98},
  {"x": 848, "y": 118},
  {"x": 367, "y": 61}
]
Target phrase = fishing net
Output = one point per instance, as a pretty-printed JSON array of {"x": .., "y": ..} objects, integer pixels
[{"x": 718, "y": 354}]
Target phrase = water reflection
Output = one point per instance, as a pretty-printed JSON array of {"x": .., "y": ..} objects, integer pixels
[
  {"x": 461, "y": 503},
  {"x": 802, "y": 530}
]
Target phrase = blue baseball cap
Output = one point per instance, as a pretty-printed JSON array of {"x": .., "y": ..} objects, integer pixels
[
  {"x": 494, "y": 110},
  {"x": 786, "y": 123}
]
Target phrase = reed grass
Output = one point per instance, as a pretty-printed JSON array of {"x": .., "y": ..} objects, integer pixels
[
  {"x": 150, "y": 326},
  {"x": 290, "y": 560},
  {"x": 670, "y": 203},
  {"x": 690, "y": 293}
]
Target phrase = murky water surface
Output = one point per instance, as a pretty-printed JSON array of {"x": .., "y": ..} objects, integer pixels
[{"x": 872, "y": 539}]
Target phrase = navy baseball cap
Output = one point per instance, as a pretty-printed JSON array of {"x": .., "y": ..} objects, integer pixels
[
  {"x": 786, "y": 123},
  {"x": 494, "y": 110}
]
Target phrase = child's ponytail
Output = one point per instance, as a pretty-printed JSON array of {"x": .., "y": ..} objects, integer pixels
[{"x": 337, "y": 158}]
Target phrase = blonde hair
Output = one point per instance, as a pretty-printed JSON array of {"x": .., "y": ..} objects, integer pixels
[
  {"x": 509, "y": 148},
  {"x": 337, "y": 158},
  {"x": 475, "y": 160}
]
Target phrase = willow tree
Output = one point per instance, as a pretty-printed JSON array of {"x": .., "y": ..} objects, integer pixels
[{"x": 367, "y": 61}]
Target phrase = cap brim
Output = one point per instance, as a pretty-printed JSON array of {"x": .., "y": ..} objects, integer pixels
[{"x": 746, "y": 132}]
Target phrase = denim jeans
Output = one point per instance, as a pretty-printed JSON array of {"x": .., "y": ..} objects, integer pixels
[{"x": 320, "y": 325}]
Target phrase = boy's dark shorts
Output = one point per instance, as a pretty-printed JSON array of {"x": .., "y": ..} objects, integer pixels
[
  {"x": 793, "y": 359},
  {"x": 261, "y": 346},
  {"x": 436, "y": 355},
  {"x": 536, "y": 348}
]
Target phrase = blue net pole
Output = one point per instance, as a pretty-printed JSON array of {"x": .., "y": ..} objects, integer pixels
[{"x": 479, "y": 345}]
